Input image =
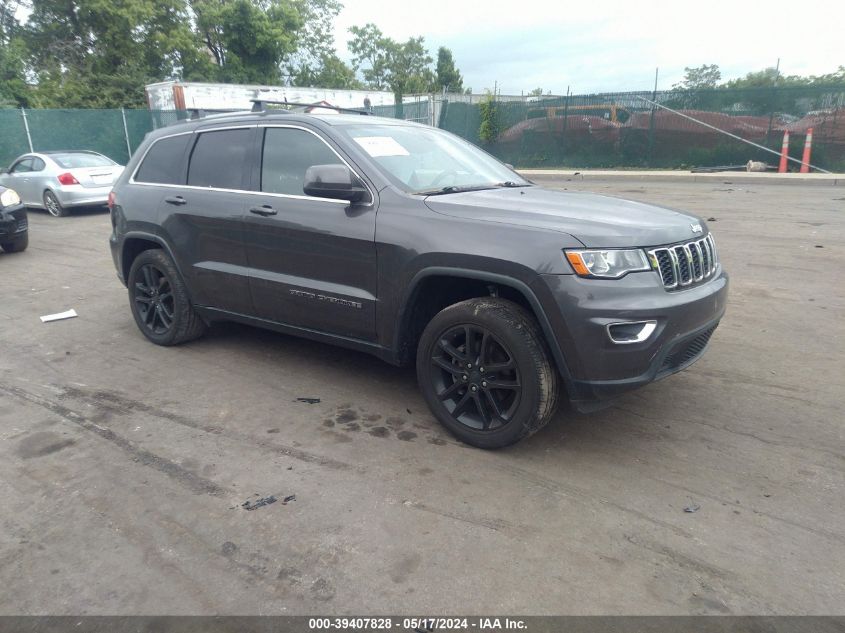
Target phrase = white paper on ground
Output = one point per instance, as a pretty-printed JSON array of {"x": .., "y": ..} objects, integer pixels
[
  {"x": 377, "y": 146},
  {"x": 69, "y": 314}
]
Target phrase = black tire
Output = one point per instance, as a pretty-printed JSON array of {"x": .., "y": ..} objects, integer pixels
[
  {"x": 17, "y": 245},
  {"x": 159, "y": 300},
  {"x": 53, "y": 206},
  {"x": 514, "y": 397}
]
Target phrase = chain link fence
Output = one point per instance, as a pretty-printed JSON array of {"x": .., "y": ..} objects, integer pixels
[
  {"x": 629, "y": 130},
  {"x": 114, "y": 133},
  {"x": 606, "y": 130}
]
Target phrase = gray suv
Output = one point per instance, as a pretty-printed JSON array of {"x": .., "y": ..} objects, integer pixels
[{"x": 409, "y": 243}]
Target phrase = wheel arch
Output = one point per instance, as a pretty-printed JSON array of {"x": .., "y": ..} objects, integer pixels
[
  {"x": 134, "y": 244},
  {"x": 416, "y": 308}
]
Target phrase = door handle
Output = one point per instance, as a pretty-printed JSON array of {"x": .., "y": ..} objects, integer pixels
[
  {"x": 177, "y": 200},
  {"x": 263, "y": 211}
]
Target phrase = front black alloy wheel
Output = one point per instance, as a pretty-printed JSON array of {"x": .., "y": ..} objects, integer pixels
[
  {"x": 485, "y": 372},
  {"x": 159, "y": 300},
  {"x": 476, "y": 377}
]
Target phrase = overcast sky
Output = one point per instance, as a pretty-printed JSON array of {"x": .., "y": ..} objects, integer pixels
[{"x": 610, "y": 45}]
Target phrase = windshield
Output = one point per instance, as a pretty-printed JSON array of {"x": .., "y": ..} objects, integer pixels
[
  {"x": 427, "y": 160},
  {"x": 72, "y": 161}
]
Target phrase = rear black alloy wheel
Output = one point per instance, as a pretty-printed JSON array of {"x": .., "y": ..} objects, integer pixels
[
  {"x": 475, "y": 377},
  {"x": 159, "y": 300},
  {"x": 485, "y": 372},
  {"x": 154, "y": 300}
]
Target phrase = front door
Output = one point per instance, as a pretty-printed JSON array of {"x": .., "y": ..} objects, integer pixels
[
  {"x": 312, "y": 260},
  {"x": 20, "y": 179}
]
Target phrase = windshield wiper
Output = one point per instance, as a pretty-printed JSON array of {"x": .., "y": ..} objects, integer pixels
[
  {"x": 511, "y": 183},
  {"x": 454, "y": 189}
]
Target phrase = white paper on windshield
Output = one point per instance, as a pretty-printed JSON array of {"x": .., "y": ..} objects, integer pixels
[{"x": 377, "y": 146}]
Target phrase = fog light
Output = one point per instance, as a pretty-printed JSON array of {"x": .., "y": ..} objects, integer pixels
[{"x": 630, "y": 331}]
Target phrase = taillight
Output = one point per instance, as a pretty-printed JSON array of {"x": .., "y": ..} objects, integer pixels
[
  {"x": 68, "y": 178},
  {"x": 111, "y": 200}
]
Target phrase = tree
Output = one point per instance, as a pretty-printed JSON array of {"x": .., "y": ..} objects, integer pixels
[
  {"x": 402, "y": 67},
  {"x": 329, "y": 71},
  {"x": 369, "y": 48},
  {"x": 447, "y": 76},
  {"x": 14, "y": 91},
  {"x": 704, "y": 77},
  {"x": 315, "y": 60},
  {"x": 90, "y": 53},
  {"x": 248, "y": 39}
]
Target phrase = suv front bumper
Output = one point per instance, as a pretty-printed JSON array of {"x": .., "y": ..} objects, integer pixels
[
  {"x": 598, "y": 367},
  {"x": 13, "y": 222}
]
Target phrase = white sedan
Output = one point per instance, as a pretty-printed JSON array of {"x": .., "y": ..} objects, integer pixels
[{"x": 58, "y": 181}]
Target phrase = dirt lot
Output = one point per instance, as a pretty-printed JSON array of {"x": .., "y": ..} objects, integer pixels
[{"x": 123, "y": 465}]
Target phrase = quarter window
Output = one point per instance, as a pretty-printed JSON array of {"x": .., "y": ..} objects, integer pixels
[
  {"x": 163, "y": 163},
  {"x": 218, "y": 159},
  {"x": 38, "y": 164},
  {"x": 287, "y": 154}
]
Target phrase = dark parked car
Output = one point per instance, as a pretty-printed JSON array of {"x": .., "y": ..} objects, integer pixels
[
  {"x": 409, "y": 243},
  {"x": 14, "y": 228}
]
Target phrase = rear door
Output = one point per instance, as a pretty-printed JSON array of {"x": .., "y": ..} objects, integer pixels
[
  {"x": 312, "y": 260},
  {"x": 203, "y": 220}
]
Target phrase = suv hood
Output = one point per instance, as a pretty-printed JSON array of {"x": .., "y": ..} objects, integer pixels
[{"x": 594, "y": 220}]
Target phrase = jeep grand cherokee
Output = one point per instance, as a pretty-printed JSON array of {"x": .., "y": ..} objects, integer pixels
[{"x": 412, "y": 244}]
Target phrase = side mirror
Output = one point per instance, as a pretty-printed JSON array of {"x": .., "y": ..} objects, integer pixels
[{"x": 334, "y": 181}]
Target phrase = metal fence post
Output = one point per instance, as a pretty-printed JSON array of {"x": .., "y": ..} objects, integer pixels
[
  {"x": 26, "y": 128},
  {"x": 651, "y": 120},
  {"x": 126, "y": 135}
]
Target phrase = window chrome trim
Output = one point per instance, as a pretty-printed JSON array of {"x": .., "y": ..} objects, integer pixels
[{"x": 258, "y": 193}]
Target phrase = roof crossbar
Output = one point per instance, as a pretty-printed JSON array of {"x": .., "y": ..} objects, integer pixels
[{"x": 258, "y": 105}]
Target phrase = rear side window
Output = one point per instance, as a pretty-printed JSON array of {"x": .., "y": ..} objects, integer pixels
[
  {"x": 38, "y": 164},
  {"x": 288, "y": 152},
  {"x": 218, "y": 159},
  {"x": 163, "y": 163}
]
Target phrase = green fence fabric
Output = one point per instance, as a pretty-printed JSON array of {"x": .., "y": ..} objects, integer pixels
[
  {"x": 625, "y": 130},
  {"x": 98, "y": 130},
  {"x": 12, "y": 136},
  {"x": 600, "y": 130}
]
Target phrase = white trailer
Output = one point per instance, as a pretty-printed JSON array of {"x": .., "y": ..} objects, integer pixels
[{"x": 179, "y": 95}]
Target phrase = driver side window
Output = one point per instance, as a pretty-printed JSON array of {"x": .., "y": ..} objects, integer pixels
[
  {"x": 287, "y": 154},
  {"x": 22, "y": 166}
]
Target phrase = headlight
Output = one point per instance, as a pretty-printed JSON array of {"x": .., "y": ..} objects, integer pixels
[
  {"x": 610, "y": 264},
  {"x": 9, "y": 198}
]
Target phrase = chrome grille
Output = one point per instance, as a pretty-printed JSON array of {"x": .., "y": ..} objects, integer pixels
[{"x": 682, "y": 265}]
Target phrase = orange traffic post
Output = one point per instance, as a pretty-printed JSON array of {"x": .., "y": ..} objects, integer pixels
[
  {"x": 808, "y": 146},
  {"x": 784, "y": 153}
]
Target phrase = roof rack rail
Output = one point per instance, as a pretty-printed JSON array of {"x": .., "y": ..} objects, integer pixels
[
  {"x": 202, "y": 113},
  {"x": 258, "y": 105}
]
